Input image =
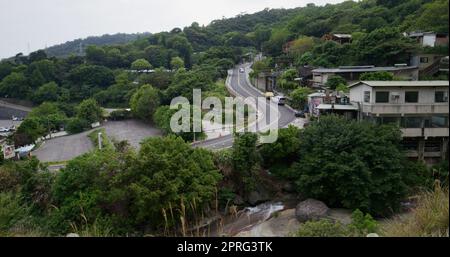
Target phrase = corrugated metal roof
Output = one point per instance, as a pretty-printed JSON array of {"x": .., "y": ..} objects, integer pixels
[
  {"x": 427, "y": 83},
  {"x": 362, "y": 69},
  {"x": 343, "y": 35},
  {"x": 337, "y": 107}
]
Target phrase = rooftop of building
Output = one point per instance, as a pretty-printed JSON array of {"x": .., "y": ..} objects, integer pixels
[
  {"x": 427, "y": 83},
  {"x": 338, "y": 35},
  {"x": 367, "y": 68}
]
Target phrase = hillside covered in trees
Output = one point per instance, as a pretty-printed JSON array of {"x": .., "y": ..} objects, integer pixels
[
  {"x": 93, "y": 195},
  {"x": 79, "y": 45}
]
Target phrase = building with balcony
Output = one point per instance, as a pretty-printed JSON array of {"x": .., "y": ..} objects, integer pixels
[
  {"x": 420, "y": 108},
  {"x": 352, "y": 73}
]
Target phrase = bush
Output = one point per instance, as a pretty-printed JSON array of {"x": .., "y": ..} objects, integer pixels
[
  {"x": 145, "y": 102},
  {"x": 361, "y": 226},
  {"x": 76, "y": 125},
  {"x": 13, "y": 213},
  {"x": 284, "y": 150},
  {"x": 379, "y": 75},
  {"x": 90, "y": 111},
  {"x": 429, "y": 218},
  {"x": 120, "y": 115},
  {"x": 322, "y": 228},
  {"x": 337, "y": 164},
  {"x": 334, "y": 81}
]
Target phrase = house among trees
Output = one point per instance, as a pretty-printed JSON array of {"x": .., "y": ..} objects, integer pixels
[
  {"x": 420, "y": 108},
  {"x": 430, "y": 64},
  {"x": 339, "y": 38},
  {"x": 327, "y": 102},
  {"x": 431, "y": 39},
  {"x": 352, "y": 73}
]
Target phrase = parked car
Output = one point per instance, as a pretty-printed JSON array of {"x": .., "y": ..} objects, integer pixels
[{"x": 280, "y": 100}]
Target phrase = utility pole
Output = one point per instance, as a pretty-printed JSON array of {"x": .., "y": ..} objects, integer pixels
[
  {"x": 81, "y": 49},
  {"x": 100, "y": 140},
  {"x": 49, "y": 130}
]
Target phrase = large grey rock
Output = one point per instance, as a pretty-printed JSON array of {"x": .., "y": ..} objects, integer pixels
[{"x": 310, "y": 210}]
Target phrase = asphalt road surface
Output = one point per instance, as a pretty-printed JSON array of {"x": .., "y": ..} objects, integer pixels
[
  {"x": 134, "y": 131},
  {"x": 240, "y": 84},
  {"x": 68, "y": 147},
  {"x": 64, "y": 148}
]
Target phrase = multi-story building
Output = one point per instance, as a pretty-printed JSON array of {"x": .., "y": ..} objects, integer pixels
[
  {"x": 352, "y": 73},
  {"x": 420, "y": 108}
]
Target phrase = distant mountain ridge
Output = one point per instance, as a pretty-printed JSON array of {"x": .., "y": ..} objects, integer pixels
[{"x": 78, "y": 46}]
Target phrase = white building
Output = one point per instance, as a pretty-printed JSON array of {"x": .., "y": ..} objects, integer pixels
[
  {"x": 352, "y": 73},
  {"x": 431, "y": 39},
  {"x": 420, "y": 108}
]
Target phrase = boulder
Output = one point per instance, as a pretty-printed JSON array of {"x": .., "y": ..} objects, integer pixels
[{"x": 310, "y": 210}]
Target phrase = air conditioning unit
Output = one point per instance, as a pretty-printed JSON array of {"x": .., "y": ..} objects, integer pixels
[{"x": 395, "y": 95}]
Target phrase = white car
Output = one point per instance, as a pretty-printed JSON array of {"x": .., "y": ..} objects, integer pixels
[
  {"x": 280, "y": 100},
  {"x": 241, "y": 70}
]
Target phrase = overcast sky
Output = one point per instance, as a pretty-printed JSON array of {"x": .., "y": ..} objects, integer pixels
[{"x": 34, "y": 24}]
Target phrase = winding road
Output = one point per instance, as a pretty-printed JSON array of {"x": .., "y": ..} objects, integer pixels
[{"x": 238, "y": 83}]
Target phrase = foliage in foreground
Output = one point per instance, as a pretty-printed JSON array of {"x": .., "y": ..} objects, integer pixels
[
  {"x": 355, "y": 165},
  {"x": 360, "y": 226},
  {"x": 429, "y": 218},
  {"x": 158, "y": 189}
]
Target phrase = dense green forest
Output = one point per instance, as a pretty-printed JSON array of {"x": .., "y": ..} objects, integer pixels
[
  {"x": 78, "y": 46},
  {"x": 93, "y": 195}
]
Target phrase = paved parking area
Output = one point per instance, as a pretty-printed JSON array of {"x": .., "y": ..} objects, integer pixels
[
  {"x": 134, "y": 131},
  {"x": 68, "y": 147},
  {"x": 64, "y": 148},
  {"x": 9, "y": 123}
]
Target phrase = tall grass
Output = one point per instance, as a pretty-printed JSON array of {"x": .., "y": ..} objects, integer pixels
[{"x": 429, "y": 218}]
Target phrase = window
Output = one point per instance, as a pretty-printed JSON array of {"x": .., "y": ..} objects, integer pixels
[
  {"x": 412, "y": 122},
  {"x": 412, "y": 97},
  {"x": 367, "y": 96},
  {"x": 440, "y": 97},
  {"x": 439, "y": 121},
  {"x": 390, "y": 120},
  {"x": 423, "y": 59},
  {"x": 382, "y": 97}
]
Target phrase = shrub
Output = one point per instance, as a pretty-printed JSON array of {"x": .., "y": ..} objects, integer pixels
[
  {"x": 76, "y": 125},
  {"x": 120, "y": 115},
  {"x": 334, "y": 81},
  {"x": 337, "y": 164},
  {"x": 322, "y": 228},
  {"x": 361, "y": 225},
  {"x": 13, "y": 212},
  {"x": 429, "y": 218}
]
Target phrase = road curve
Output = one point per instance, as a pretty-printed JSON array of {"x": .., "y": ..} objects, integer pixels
[{"x": 240, "y": 85}]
